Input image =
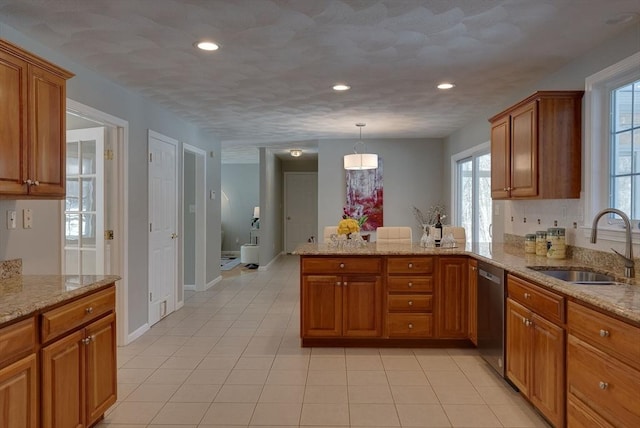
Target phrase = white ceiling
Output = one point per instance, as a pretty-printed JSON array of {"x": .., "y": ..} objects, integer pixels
[{"x": 270, "y": 83}]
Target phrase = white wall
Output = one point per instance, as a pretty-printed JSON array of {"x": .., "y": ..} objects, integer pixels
[
  {"x": 40, "y": 248},
  {"x": 412, "y": 176},
  {"x": 271, "y": 207},
  {"x": 240, "y": 187},
  {"x": 189, "y": 219},
  {"x": 566, "y": 212}
]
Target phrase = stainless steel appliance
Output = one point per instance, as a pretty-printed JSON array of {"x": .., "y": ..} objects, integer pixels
[{"x": 491, "y": 298}]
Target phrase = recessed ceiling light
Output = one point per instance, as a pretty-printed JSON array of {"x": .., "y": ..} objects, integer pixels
[
  {"x": 341, "y": 87},
  {"x": 296, "y": 153},
  {"x": 446, "y": 85},
  {"x": 207, "y": 46}
]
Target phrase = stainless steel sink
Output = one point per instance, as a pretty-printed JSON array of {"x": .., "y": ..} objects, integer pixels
[{"x": 577, "y": 275}]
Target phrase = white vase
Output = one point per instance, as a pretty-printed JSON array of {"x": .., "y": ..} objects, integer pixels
[{"x": 424, "y": 240}]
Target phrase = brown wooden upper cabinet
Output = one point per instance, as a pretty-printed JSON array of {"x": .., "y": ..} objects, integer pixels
[
  {"x": 536, "y": 147},
  {"x": 32, "y": 125}
]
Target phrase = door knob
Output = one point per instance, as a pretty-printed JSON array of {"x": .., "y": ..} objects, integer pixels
[{"x": 174, "y": 235}]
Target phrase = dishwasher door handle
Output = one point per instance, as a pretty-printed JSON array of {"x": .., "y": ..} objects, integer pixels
[{"x": 489, "y": 276}]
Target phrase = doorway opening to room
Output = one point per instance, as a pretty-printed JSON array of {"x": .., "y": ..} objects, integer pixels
[{"x": 194, "y": 246}]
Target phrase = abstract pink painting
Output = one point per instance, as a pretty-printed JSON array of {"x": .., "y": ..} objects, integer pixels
[{"x": 365, "y": 196}]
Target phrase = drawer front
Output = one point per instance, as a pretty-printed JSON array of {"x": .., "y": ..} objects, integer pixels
[
  {"x": 410, "y": 325},
  {"x": 410, "y": 302},
  {"x": 410, "y": 265},
  {"x": 580, "y": 416},
  {"x": 340, "y": 265},
  {"x": 543, "y": 302},
  {"x": 408, "y": 283},
  {"x": 17, "y": 340},
  {"x": 606, "y": 385},
  {"x": 65, "y": 318},
  {"x": 606, "y": 333}
]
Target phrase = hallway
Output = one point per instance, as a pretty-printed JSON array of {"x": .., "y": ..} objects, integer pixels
[{"x": 231, "y": 358}]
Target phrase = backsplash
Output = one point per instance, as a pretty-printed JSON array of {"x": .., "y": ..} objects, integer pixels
[{"x": 10, "y": 268}]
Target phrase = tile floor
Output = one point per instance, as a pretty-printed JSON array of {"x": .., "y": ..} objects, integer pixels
[{"x": 231, "y": 358}]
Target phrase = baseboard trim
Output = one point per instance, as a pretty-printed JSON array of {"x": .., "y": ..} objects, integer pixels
[
  {"x": 137, "y": 333},
  {"x": 273, "y": 260},
  {"x": 212, "y": 283}
]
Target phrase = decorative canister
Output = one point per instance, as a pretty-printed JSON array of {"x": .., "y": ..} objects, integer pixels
[
  {"x": 557, "y": 243},
  {"x": 541, "y": 243},
  {"x": 530, "y": 243}
]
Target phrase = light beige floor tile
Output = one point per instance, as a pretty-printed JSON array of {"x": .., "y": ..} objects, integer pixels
[
  {"x": 458, "y": 395},
  {"x": 282, "y": 394},
  {"x": 181, "y": 413},
  {"x": 193, "y": 351},
  {"x": 399, "y": 362},
  {"x": 254, "y": 363},
  {"x": 422, "y": 415},
  {"x": 177, "y": 362},
  {"x": 124, "y": 389},
  {"x": 448, "y": 379},
  {"x": 153, "y": 392},
  {"x": 327, "y": 377},
  {"x": 324, "y": 414},
  {"x": 437, "y": 363},
  {"x": 327, "y": 363},
  {"x": 133, "y": 375},
  {"x": 169, "y": 376},
  {"x": 247, "y": 377},
  {"x": 498, "y": 395},
  {"x": 133, "y": 413},
  {"x": 287, "y": 377},
  {"x": 327, "y": 351},
  {"x": 239, "y": 394},
  {"x": 364, "y": 362},
  {"x": 160, "y": 350},
  {"x": 218, "y": 363},
  {"x": 362, "y": 351},
  {"x": 513, "y": 415},
  {"x": 277, "y": 414},
  {"x": 406, "y": 378},
  {"x": 397, "y": 352},
  {"x": 205, "y": 376},
  {"x": 370, "y": 394},
  {"x": 145, "y": 362},
  {"x": 188, "y": 393},
  {"x": 371, "y": 415},
  {"x": 326, "y": 394},
  {"x": 291, "y": 362},
  {"x": 407, "y": 394},
  {"x": 367, "y": 377},
  {"x": 471, "y": 415},
  {"x": 228, "y": 413},
  {"x": 104, "y": 424}
]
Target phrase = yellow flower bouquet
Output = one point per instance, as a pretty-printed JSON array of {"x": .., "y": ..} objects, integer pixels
[{"x": 347, "y": 226}]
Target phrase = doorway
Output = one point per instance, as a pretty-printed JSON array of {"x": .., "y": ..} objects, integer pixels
[
  {"x": 301, "y": 208},
  {"x": 194, "y": 223}
]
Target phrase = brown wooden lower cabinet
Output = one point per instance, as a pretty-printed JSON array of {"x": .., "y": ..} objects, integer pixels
[
  {"x": 451, "y": 295},
  {"x": 19, "y": 394}
]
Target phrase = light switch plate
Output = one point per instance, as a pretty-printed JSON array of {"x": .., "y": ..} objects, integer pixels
[
  {"x": 11, "y": 219},
  {"x": 27, "y": 218}
]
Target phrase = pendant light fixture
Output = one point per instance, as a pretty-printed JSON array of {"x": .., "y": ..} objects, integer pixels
[{"x": 359, "y": 161}]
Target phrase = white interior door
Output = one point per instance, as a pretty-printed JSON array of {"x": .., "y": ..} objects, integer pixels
[
  {"x": 301, "y": 208},
  {"x": 84, "y": 213},
  {"x": 163, "y": 226}
]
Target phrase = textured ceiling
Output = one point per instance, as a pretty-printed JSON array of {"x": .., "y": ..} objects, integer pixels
[{"x": 270, "y": 83}]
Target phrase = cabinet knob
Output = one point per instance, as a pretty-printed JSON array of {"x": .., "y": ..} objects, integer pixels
[
  {"x": 410, "y": 284},
  {"x": 504, "y": 189},
  {"x": 410, "y": 265},
  {"x": 527, "y": 295},
  {"x": 35, "y": 183},
  {"x": 338, "y": 283},
  {"x": 344, "y": 283},
  {"x": 410, "y": 302},
  {"x": 604, "y": 333},
  {"x": 410, "y": 326},
  {"x": 341, "y": 265},
  {"x": 85, "y": 341},
  {"x": 27, "y": 182},
  {"x": 89, "y": 310},
  {"x": 603, "y": 385}
]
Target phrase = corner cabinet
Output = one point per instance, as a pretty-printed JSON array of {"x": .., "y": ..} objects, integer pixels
[
  {"x": 32, "y": 125},
  {"x": 536, "y": 147}
]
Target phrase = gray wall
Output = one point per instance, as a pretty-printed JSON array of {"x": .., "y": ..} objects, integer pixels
[
  {"x": 40, "y": 247},
  {"x": 271, "y": 207},
  {"x": 240, "y": 187},
  {"x": 412, "y": 176},
  {"x": 189, "y": 219},
  {"x": 570, "y": 77}
]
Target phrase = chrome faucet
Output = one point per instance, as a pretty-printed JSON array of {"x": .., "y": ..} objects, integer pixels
[{"x": 628, "y": 255}]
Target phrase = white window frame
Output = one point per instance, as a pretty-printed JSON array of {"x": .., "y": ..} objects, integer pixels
[{"x": 598, "y": 88}]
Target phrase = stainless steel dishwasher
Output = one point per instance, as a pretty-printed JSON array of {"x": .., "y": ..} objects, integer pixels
[{"x": 491, "y": 298}]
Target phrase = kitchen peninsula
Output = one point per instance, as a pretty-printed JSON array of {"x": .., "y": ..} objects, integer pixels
[{"x": 58, "y": 342}]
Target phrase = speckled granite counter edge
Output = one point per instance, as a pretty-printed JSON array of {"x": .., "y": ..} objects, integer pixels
[{"x": 10, "y": 268}]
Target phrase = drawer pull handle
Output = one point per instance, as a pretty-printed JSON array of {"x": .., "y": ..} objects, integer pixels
[
  {"x": 603, "y": 385},
  {"x": 410, "y": 284},
  {"x": 527, "y": 295},
  {"x": 604, "y": 333},
  {"x": 341, "y": 265},
  {"x": 410, "y": 265},
  {"x": 89, "y": 310},
  {"x": 410, "y": 326},
  {"x": 410, "y": 302}
]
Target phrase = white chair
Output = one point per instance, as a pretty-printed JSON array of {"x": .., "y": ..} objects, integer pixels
[
  {"x": 328, "y": 231},
  {"x": 458, "y": 234},
  {"x": 394, "y": 235}
]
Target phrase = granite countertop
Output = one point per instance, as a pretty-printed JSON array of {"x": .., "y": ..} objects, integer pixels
[
  {"x": 622, "y": 299},
  {"x": 22, "y": 295}
]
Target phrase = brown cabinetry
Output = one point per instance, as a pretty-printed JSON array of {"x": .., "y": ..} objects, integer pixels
[
  {"x": 18, "y": 375},
  {"x": 536, "y": 147},
  {"x": 409, "y": 296},
  {"x": 535, "y": 346},
  {"x": 341, "y": 297},
  {"x": 32, "y": 131},
  {"x": 452, "y": 298},
  {"x": 473, "y": 301},
  {"x": 603, "y": 370}
]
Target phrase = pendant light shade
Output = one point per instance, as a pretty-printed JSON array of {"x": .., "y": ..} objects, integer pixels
[{"x": 359, "y": 161}]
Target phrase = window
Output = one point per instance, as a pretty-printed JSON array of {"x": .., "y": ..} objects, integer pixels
[
  {"x": 612, "y": 143},
  {"x": 472, "y": 193}
]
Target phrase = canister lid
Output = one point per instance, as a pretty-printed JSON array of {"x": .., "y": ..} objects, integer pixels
[
  {"x": 530, "y": 237},
  {"x": 542, "y": 233}
]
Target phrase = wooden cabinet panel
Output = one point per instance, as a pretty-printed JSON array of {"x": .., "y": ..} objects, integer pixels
[
  {"x": 604, "y": 384},
  {"x": 361, "y": 306},
  {"x": 417, "y": 325},
  {"x": 101, "y": 386},
  {"x": 19, "y": 394},
  {"x": 473, "y": 301},
  {"x": 500, "y": 158},
  {"x": 341, "y": 265},
  {"x": 410, "y": 283},
  {"x": 410, "y": 303},
  {"x": 17, "y": 340},
  {"x": 518, "y": 344},
  {"x": 321, "y": 306},
  {"x": 410, "y": 265},
  {"x": 543, "y": 302},
  {"x": 580, "y": 416},
  {"x": 452, "y": 298},
  {"x": 524, "y": 151}
]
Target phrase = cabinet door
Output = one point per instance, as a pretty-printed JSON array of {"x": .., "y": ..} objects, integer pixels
[
  {"x": 524, "y": 151},
  {"x": 547, "y": 375},
  {"x": 101, "y": 367},
  {"x": 322, "y": 306},
  {"x": 13, "y": 129},
  {"x": 62, "y": 383},
  {"x": 361, "y": 306},
  {"x": 500, "y": 158},
  {"x": 47, "y": 133},
  {"x": 473, "y": 301},
  {"x": 451, "y": 295},
  {"x": 19, "y": 394},
  {"x": 518, "y": 344}
]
